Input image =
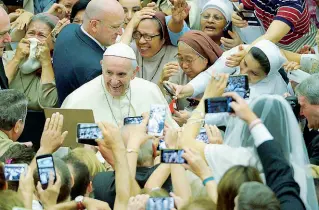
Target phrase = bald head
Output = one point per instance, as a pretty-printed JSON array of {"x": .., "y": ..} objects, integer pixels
[
  {"x": 103, "y": 20},
  {"x": 4, "y": 29},
  {"x": 103, "y": 10}
]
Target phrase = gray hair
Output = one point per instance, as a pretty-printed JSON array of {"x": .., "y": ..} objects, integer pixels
[
  {"x": 146, "y": 153},
  {"x": 257, "y": 196},
  {"x": 309, "y": 88},
  {"x": 13, "y": 107},
  {"x": 46, "y": 18}
]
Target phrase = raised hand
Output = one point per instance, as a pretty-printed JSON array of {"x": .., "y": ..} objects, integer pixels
[
  {"x": 180, "y": 10},
  {"x": 52, "y": 137},
  {"x": 233, "y": 42}
]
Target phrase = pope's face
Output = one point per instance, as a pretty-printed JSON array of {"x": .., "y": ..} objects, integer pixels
[{"x": 117, "y": 73}]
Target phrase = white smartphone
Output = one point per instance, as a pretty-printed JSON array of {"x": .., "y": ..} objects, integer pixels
[
  {"x": 12, "y": 172},
  {"x": 298, "y": 75},
  {"x": 157, "y": 120}
]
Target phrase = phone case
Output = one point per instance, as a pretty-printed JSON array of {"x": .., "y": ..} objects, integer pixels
[{"x": 157, "y": 120}]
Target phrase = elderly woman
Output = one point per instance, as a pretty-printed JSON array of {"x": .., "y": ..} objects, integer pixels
[
  {"x": 153, "y": 46},
  {"x": 196, "y": 52},
  {"x": 29, "y": 67},
  {"x": 215, "y": 21}
]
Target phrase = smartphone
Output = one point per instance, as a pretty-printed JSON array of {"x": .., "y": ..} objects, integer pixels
[
  {"x": 13, "y": 2},
  {"x": 298, "y": 75},
  {"x": 157, "y": 120},
  {"x": 192, "y": 102},
  {"x": 45, "y": 166},
  {"x": 172, "y": 156},
  {"x": 86, "y": 133},
  {"x": 163, "y": 203},
  {"x": 161, "y": 145},
  {"x": 238, "y": 84},
  {"x": 202, "y": 136},
  {"x": 247, "y": 15},
  {"x": 12, "y": 172},
  {"x": 133, "y": 120},
  {"x": 218, "y": 105},
  {"x": 168, "y": 89}
]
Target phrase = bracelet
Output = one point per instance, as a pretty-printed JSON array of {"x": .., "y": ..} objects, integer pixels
[
  {"x": 211, "y": 178},
  {"x": 254, "y": 123},
  {"x": 131, "y": 151}
]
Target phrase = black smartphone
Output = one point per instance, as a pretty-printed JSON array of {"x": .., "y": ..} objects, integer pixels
[
  {"x": 45, "y": 166},
  {"x": 168, "y": 89},
  {"x": 133, "y": 120},
  {"x": 13, "y": 2},
  {"x": 163, "y": 203},
  {"x": 238, "y": 84},
  {"x": 218, "y": 105},
  {"x": 87, "y": 133},
  {"x": 172, "y": 156},
  {"x": 192, "y": 102}
]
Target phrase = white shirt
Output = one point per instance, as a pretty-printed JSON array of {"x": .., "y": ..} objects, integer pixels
[{"x": 97, "y": 42}]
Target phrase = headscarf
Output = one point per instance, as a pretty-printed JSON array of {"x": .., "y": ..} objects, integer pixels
[
  {"x": 203, "y": 45},
  {"x": 160, "y": 17},
  {"x": 224, "y": 6},
  {"x": 273, "y": 83}
]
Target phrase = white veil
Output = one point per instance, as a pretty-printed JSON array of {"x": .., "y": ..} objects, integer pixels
[{"x": 281, "y": 122}]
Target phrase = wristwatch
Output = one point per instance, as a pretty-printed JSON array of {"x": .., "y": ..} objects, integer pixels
[{"x": 79, "y": 202}]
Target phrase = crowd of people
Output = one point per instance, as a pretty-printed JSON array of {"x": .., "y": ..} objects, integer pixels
[{"x": 198, "y": 104}]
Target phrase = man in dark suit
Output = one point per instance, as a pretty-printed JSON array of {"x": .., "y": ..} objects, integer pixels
[
  {"x": 308, "y": 98},
  {"x": 4, "y": 38},
  {"x": 79, "y": 49}
]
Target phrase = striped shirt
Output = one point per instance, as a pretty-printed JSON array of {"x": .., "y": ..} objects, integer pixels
[{"x": 292, "y": 12}]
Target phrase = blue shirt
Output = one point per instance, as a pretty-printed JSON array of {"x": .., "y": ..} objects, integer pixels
[{"x": 42, "y": 5}]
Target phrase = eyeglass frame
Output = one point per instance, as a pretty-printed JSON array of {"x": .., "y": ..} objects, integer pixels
[
  {"x": 143, "y": 35},
  {"x": 219, "y": 19}
]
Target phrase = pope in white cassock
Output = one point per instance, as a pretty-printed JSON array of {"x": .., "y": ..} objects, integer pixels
[{"x": 117, "y": 93}]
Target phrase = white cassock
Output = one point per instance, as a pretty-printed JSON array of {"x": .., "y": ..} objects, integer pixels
[{"x": 92, "y": 95}]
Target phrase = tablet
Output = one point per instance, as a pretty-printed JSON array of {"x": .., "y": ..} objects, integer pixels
[{"x": 71, "y": 118}]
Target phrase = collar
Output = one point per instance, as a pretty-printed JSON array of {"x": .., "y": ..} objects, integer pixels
[
  {"x": 97, "y": 42},
  {"x": 3, "y": 135},
  {"x": 158, "y": 55}
]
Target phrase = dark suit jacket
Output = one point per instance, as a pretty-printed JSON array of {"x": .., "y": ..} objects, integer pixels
[
  {"x": 279, "y": 176},
  {"x": 312, "y": 144},
  {"x": 3, "y": 77},
  {"x": 76, "y": 60}
]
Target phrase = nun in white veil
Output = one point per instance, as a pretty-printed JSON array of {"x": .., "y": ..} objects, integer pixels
[
  {"x": 272, "y": 83},
  {"x": 238, "y": 148}
]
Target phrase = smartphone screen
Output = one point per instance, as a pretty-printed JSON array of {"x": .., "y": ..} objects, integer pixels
[
  {"x": 172, "y": 156},
  {"x": 12, "y": 172},
  {"x": 133, "y": 120},
  {"x": 45, "y": 165},
  {"x": 87, "y": 133},
  {"x": 202, "y": 136},
  {"x": 218, "y": 105},
  {"x": 238, "y": 84},
  {"x": 161, "y": 145},
  {"x": 164, "y": 203},
  {"x": 157, "y": 120}
]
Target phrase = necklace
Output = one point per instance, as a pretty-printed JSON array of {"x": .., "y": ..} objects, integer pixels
[
  {"x": 129, "y": 98},
  {"x": 158, "y": 65}
]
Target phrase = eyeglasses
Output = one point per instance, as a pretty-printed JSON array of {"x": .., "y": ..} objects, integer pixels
[
  {"x": 215, "y": 17},
  {"x": 137, "y": 36},
  {"x": 187, "y": 61}
]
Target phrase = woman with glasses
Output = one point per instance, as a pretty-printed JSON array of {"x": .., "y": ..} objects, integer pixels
[
  {"x": 215, "y": 21},
  {"x": 196, "y": 52},
  {"x": 153, "y": 46}
]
